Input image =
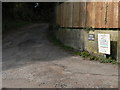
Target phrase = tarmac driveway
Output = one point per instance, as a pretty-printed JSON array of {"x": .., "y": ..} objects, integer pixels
[{"x": 30, "y": 60}]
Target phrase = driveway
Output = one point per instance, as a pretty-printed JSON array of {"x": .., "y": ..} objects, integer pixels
[{"x": 30, "y": 60}]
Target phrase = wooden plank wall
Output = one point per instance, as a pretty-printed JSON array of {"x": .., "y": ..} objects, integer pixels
[{"x": 88, "y": 14}]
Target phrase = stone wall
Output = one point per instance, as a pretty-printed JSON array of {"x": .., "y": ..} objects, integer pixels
[
  {"x": 119, "y": 46},
  {"x": 92, "y": 46},
  {"x": 71, "y": 37},
  {"x": 78, "y": 39}
]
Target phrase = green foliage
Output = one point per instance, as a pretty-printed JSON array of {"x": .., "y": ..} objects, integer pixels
[
  {"x": 77, "y": 53},
  {"x": 94, "y": 57},
  {"x": 107, "y": 60},
  {"x": 85, "y": 54}
]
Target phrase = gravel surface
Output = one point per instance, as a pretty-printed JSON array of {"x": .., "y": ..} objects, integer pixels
[{"x": 30, "y": 60}]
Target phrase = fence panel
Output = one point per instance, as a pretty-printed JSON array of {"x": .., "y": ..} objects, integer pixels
[
  {"x": 82, "y": 16},
  {"x": 119, "y": 15},
  {"x": 108, "y": 17},
  {"x": 76, "y": 14},
  {"x": 103, "y": 15},
  {"x": 89, "y": 14},
  {"x": 69, "y": 14},
  {"x": 116, "y": 15},
  {"x": 98, "y": 14},
  {"x": 65, "y": 15}
]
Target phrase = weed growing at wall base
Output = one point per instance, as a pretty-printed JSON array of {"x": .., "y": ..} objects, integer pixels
[{"x": 84, "y": 54}]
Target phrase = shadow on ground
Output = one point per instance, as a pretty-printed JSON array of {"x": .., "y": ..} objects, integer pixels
[{"x": 28, "y": 45}]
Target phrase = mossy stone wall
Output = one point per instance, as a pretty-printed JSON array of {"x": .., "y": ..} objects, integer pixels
[{"x": 78, "y": 39}]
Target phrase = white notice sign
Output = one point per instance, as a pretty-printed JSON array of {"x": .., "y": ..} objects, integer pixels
[{"x": 104, "y": 43}]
